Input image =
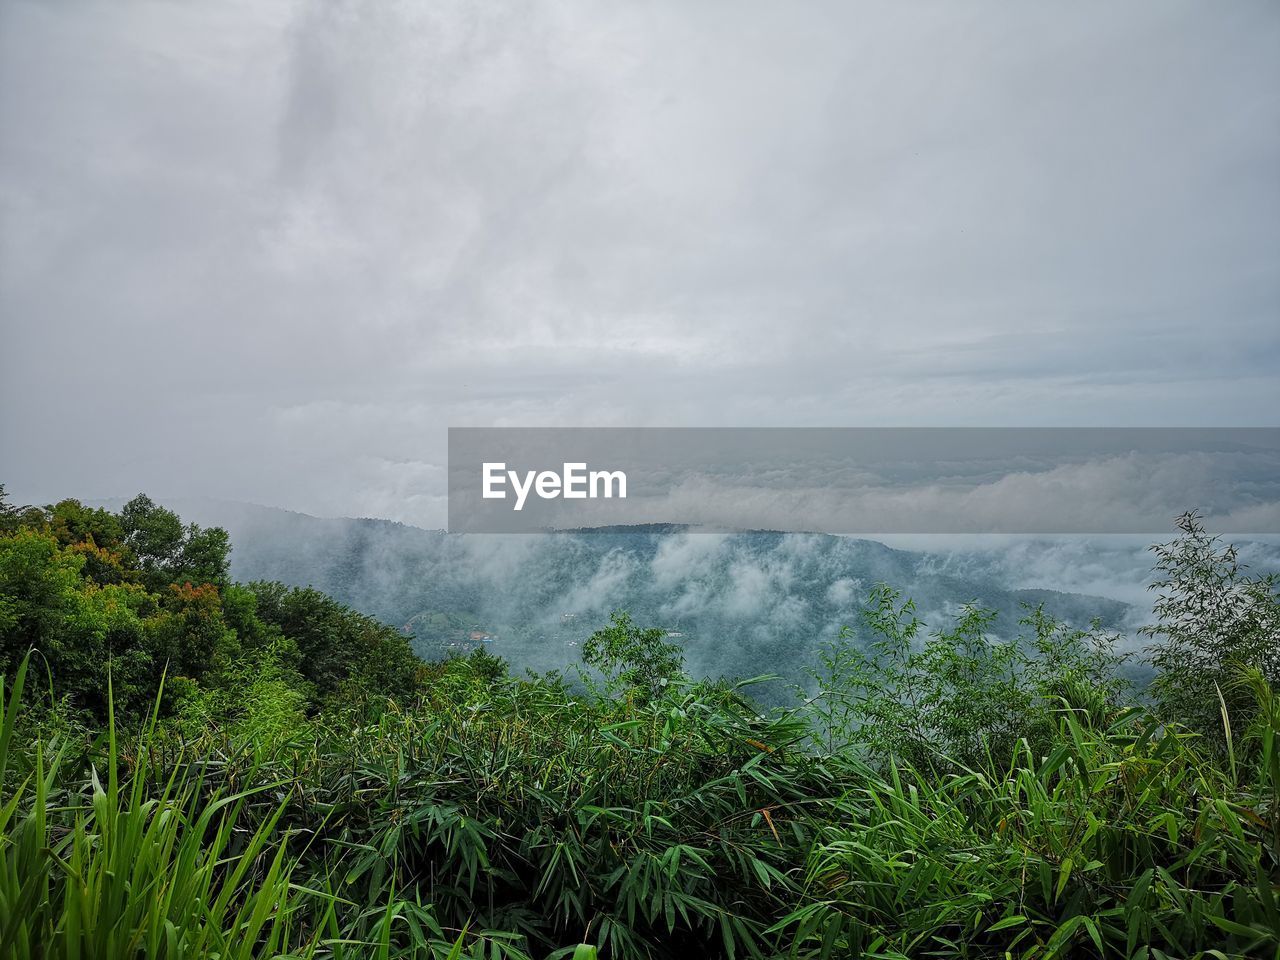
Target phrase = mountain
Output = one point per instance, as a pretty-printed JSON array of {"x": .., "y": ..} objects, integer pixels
[{"x": 741, "y": 604}]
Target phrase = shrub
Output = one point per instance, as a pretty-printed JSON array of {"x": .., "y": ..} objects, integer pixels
[
  {"x": 1214, "y": 624},
  {"x": 960, "y": 695}
]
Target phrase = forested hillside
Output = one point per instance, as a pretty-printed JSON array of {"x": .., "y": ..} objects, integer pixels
[
  {"x": 742, "y": 603},
  {"x": 194, "y": 767}
]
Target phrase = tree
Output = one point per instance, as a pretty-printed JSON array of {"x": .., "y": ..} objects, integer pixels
[
  {"x": 167, "y": 552},
  {"x": 1214, "y": 624},
  {"x": 641, "y": 661},
  {"x": 338, "y": 649},
  {"x": 101, "y": 597},
  {"x": 9, "y": 514},
  {"x": 961, "y": 695},
  {"x": 190, "y": 634},
  {"x": 95, "y": 534},
  {"x": 204, "y": 556},
  {"x": 72, "y": 522},
  {"x": 37, "y": 583},
  {"x": 154, "y": 533},
  {"x": 82, "y": 630}
]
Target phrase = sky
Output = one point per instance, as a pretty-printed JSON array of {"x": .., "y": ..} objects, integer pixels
[{"x": 271, "y": 251}]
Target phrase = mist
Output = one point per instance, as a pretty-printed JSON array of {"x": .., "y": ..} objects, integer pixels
[
  {"x": 739, "y": 604},
  {"x": 299, "y": 240}
]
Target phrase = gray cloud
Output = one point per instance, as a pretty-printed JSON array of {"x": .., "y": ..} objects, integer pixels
[{"x": 269, "y": 251}]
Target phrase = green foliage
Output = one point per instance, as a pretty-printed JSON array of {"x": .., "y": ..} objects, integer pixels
[
  {"x": 10, "y": 514},
  {"x": 79, "y": 627},
  {"x": 641, "y": 661},
  {"x": 1122, "y": 840},
  {"x": 530, "y": 810},
  {"x": 140, "y": 594},
  {"x": 257, "y": 701},
  {"x": 341, "y": 653},
  {"x": 1214, "y": 626},
  {"x": 299, "y": 785},
  {"x": 134, "y": 868},
  {"x": 168, "y": 552},
  {"x": 960, "y": 696}
]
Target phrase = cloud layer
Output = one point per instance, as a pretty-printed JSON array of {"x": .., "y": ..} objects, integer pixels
[{"x": 269, "y": 251}]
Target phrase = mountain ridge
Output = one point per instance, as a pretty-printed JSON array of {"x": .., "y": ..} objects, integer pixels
[{"x": 739, "y": 601}]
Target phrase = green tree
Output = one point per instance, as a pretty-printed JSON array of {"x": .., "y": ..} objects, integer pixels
[
  {"x": 9, "y": 514},
  {"x": 1214, "y": 624},
  {"x": 190, "y": 635},
  {"x": 154, "y": 533},
  {"x": 204, "y": 556},
  {"x": 632, "y": 659},
  {"x": 83, "y": 631},
  {"x": 94, "y": 534},
  {"x": 961, "y": 695},
  {"x": 169, "y": 552},
  {"x": 338, "y": 649},
  {"x": 72, "y": 522},
  {"x": 37, "y": 583}
]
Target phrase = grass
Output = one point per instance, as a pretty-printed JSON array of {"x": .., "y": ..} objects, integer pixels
[
  {"x": 509, "y": 819},
  {"x": 93, "y": 869},
  {"x": 1125, "y": 840}
]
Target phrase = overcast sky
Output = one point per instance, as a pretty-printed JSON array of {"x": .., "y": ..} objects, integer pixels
[{"x": 269, "y": 252}]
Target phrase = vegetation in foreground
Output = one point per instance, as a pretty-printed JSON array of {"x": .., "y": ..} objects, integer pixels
[{"x": 195, "y": 768}]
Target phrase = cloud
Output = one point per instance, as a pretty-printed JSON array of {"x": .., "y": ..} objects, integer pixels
[{"x": 267, "y": 251}]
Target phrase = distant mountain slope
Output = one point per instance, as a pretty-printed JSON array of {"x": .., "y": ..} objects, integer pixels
[{"x": 743, "y": 603}]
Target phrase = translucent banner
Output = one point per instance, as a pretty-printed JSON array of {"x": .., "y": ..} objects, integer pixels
[{"x": 864, "y": 480}]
